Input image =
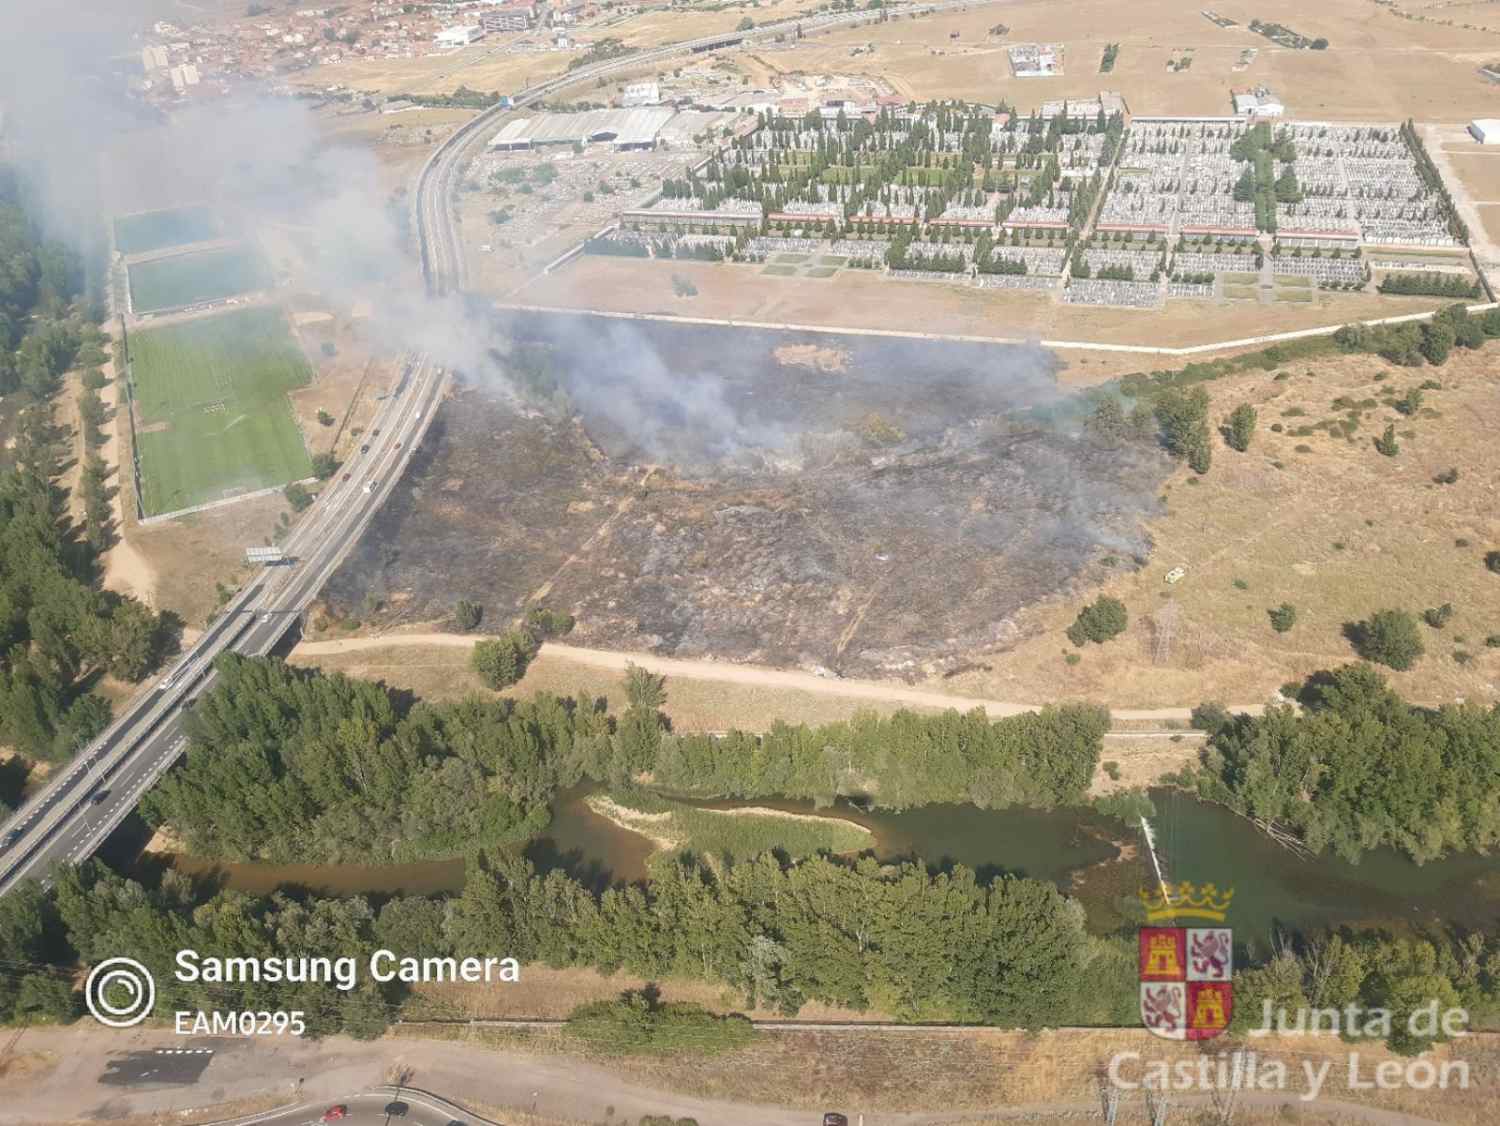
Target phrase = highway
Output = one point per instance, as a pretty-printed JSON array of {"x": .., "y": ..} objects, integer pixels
[
  {"x": 442, "y": 257},
  {"x": 73, "y": 815}
]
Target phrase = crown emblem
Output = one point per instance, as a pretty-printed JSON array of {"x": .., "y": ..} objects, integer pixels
[{"x": 1186, "y": 901}]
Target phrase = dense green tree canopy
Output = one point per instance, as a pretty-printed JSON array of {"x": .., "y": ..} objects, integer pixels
[{"x": 1358, "y": 768}]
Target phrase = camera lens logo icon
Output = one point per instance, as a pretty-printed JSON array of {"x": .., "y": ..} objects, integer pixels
[{"x": 120, "y": 992}]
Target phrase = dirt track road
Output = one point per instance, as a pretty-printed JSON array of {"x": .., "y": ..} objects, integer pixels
[
  {"x": 88, "y": 1073},
  {"x": 759, "y": 676}
]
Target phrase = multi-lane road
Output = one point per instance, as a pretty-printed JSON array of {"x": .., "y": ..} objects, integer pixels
[
  {"x": 79, "y": 808},
  {"x": 442, "y": 259},
  {"x": 73, "y": 815}
]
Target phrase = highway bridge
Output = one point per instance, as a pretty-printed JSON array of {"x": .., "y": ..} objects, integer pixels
[{"x": 79, "y": 808}]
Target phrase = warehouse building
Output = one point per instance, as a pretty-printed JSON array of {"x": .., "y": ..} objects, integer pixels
[
  {"x": 460, "y": 36},
  {"x": 635, "y": 128}
]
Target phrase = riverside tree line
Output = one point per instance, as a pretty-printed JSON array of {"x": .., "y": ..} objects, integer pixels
[
  {"x": 274, "y": 748},
  {"x": 288, "y": 763}
]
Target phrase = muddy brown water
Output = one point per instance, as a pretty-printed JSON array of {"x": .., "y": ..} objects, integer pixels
[{"x": 1098, "y": 860}]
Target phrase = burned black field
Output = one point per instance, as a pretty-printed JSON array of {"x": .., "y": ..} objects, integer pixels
[{"x": 861, "y": 504}]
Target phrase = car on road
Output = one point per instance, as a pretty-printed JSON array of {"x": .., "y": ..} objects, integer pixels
[
  {"x": 335, "y": 1113},
  {"x": 364, "y": 449},
  {"x": 396, "y": 1109},
  {"x": 98, "y": 796},
  {"x": 833, "y": 1118},
  {"x": 369, "y": 486},
  {"x": 347, "y": 476}
]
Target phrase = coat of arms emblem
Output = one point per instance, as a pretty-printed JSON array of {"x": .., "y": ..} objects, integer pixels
[{"x": 1186, "y": 972}]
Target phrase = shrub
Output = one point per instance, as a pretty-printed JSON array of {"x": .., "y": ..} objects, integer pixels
[
  {"x": 1241, "y": 584},
  {"x": 1240, "y": 428},
  {"x": 1283, "y": 617},
  {"x": 1389, "y": 637},
  {"x": 467, "y": 615},
  {"x": 1438, "y": 616},
  {"x": 1492, "y": 561},
  {"x": 1112, "y": 768},
  {"x": 324, "y": 466},
  {"x": 1447, "y": 477},
  {"x": 639, "y": 1025},
  {"x": 1492, "y": 641},
  {"x": 549, "y": 623},
  {"x": 1128, "y": 806},
  {"x": 324, "y": 418},
  {"x": 502, "y": 661},
  {"x": 1387, "y": 443},
  {"x": 1210, "y": 716},
  {"x": 1098, "y": 622},
  {"x": 1410, "y": 403},
  {"x": 297, "y": 496}
]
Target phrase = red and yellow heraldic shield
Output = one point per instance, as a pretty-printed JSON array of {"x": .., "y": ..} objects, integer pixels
[{"x": 1186, "y": 987}]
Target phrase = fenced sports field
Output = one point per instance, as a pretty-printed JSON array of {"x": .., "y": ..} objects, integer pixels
[
  {"x": 146, "y": 231},
  {"x": 187, "y": 279},
  {"x": 210, "y": 408}
]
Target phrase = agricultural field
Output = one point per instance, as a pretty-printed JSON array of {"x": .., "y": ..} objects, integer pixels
[
  {"x": 157, "y": 230},
  {"x": 212, "y": 417},
  {"x": 187, "y": 279}
]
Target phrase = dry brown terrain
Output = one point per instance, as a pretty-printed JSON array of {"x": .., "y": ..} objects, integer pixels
[
  {"x": 545, "y": 993},
  {"x": 1378, "y": 67},
  {"x": 1037, "y": 1074},
  {"x": 482, "y": 66},
  {"x": 1326, "y": 524},
  {"x": 441, "y": 672},
  {"x": 865, "y": 299}
]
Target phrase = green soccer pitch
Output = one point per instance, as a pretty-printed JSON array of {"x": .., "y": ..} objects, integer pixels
[{"x": 212, "y": 416}]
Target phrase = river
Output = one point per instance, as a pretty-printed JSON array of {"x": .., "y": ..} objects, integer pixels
[{"x": 1096, "y": 859}]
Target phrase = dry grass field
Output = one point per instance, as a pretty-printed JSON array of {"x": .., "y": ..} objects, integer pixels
[
  {"x": 650, "y": 28},
  {"x": 547, "y": 993},
  {"x": 1378, "y": 66},
  {"x": 1480, "y": 172},
  {"x": 867, "y": 299},
  {"x": 1324, "y": 523},
  {"x": 1049, "y": 1076},
  {"x": 435, "y": 672},
  {"x": 485, "y": 65}
]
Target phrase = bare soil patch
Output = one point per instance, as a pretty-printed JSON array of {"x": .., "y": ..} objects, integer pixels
[
  {"x": 812, "y": 356},
  {"x": 200, "y": 552}
]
